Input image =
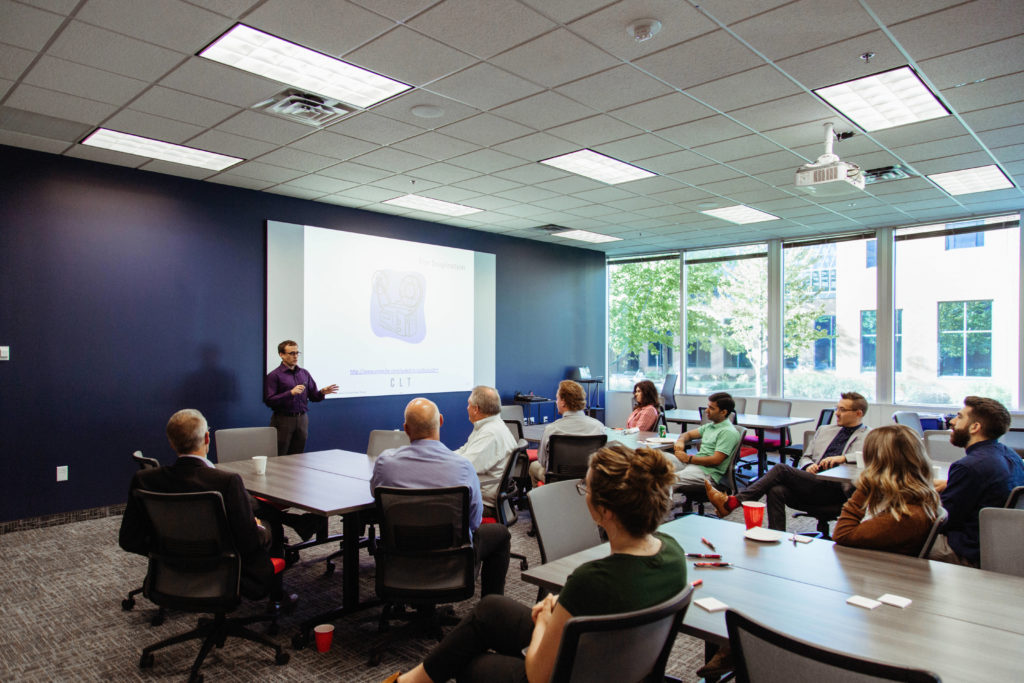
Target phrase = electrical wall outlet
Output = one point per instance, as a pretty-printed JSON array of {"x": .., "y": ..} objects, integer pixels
[{"x": 62, "y": 473}]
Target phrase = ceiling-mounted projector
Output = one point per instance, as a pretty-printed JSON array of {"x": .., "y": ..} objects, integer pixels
[{"x": 829, "y": 176}]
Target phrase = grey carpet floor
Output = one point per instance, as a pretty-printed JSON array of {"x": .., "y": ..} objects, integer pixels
[{"x": 61, "y": 616}]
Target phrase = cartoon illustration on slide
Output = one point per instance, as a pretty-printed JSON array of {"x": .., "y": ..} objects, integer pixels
[{"x": 396, "y": 305}]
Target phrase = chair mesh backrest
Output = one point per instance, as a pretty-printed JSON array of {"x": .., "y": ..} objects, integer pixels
[
  {"x": 1001, "y": 532},
  {"x": 729, "y": 478},
  {"x": 910, "y": 419},
  {"x": 508, "y": 490},
  {"x": 512, "y": 412},
  {"x": 569, "y": 455},
  {"x": 762, "y": 655},
  {"x": 668, "y": 391},
  {"x": 193, "y": 565},
  {"x": 1016, "y": 498},
  {"x": 244, "y": 442},
  {"x": 825, "y": 416},
  {"x": 563, "y": 522},
  {"x": 424, "y": 551},
  {"x": 515, "y": 427},
  {"x": 741, "y": 404},
  {"x": 929, "y": 541},
  {"x": 383, "y": 439},
  {"x": 774, "y": 407},
  {"x": 632, "y": 646},
  {"x": 143, "y": 462}
]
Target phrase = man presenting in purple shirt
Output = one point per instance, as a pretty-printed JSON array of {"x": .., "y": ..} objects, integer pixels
[{"x": 287, "y": 391}]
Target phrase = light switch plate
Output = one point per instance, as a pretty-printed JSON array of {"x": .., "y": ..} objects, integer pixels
[{"x": 5, "y": 352}]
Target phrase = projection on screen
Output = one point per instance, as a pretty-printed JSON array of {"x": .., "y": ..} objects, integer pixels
[{"x": 380, "y": 316}]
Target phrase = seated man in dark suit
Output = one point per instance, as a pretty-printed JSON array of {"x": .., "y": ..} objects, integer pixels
[
  {"x": 187, "y": 431},
  {"x": 428, "y": 463}
]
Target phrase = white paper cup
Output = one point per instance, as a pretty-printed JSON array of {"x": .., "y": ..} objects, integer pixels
[
  {"x": 260, "y": 463},
  {"x": 936, "y": 472},
  {"x": 859, "y": 455}
]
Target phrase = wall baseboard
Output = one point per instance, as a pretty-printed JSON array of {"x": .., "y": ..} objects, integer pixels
[{"x": 61, "y": 518}]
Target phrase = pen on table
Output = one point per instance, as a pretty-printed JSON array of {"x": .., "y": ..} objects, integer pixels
[
  {"x": 707, "y": 543},
  {"x": 695, "y": 584},
  {"x": 712, "y": 564},
  {"x": 704, "y": 556}
]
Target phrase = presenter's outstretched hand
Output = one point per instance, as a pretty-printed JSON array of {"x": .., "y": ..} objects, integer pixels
[
  {"x": 333, "y": 389},
  {"x": 298, "y": 389}
]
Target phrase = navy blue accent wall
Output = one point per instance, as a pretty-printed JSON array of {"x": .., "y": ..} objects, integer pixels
[{"x": 126, "y": 295}]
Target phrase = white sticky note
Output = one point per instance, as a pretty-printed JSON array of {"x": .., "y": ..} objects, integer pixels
[
  {"x": 711, "y": 604},
  {"x": 895, "y": 600},
  {"x": 802, "y": 539},
  {"x": 861, "y": 601}
]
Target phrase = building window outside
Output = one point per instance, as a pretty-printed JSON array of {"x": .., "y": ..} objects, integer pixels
[
  {"x": 965, "y": 338},
  {"x": 697, "y": 357},
  {"x": 965, "y": 240},
  {"x": 868, "y": 340},
  {"x": 871, "y": 249},
  {"x": 825, "y": 347},
  {"x": 897, "y": 346}
]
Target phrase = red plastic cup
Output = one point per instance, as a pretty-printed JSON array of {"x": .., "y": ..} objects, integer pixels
[
  {"x": 324, "y": 635},
  {"x": 753, "y": 514}
]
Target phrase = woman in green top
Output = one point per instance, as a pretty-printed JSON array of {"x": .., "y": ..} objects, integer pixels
[{"x": 628, "y": 494}]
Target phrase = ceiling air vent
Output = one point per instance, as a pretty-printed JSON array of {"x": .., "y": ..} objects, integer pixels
[
  {"x": 880, "y": 175},
  {"x": 304, "y": 107}
]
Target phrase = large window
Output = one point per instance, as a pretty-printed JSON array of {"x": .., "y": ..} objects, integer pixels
[
  {"x": 868, "y": 340},
  {"x": 958, "y": 287},
  {"x": 643, "y": 320},
  {"x": 726, "y": 320}
]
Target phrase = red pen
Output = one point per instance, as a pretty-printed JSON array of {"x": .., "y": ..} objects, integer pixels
[
  {"x": 694, "y": 584},
  {"x": 712, "y": 564},
  {"x": 705, "y": 556},
  {"x": 707, "y": 543}
]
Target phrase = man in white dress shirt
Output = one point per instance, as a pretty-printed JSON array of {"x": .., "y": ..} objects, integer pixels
[
  {"x": 489, "y": 444},
  {"x": 570, "y": 401}
]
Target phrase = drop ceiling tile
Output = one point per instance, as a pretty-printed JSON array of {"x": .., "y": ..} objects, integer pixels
[
  {"x": 93, "y": 46},
  {"x": 989, "y": 93},
  {"x": 595, "y": 131},
  {"x": 409, "y": 57},
  {"x": 394, "y": 160},
  {"x": 370, "y": 194},
  {"x": 379, "y": 129},
  {"x": 653, "y": 186},
  {"x": 756, "y": 86},
  {"x": 967, "y": 66},
  {"x": 531, "y": 193},
  {"x": 937, "y": 149},
  {"x": 604, "y": 195},
  {"x": 331, "y": 144},
  {"x": 524, "y": 211},
  {"x": 673, "y": 162},
  {"x": 916, "y": 133},
  {"x": 554, "y": 58},
  {"x": 442, "y": 173},
  {"x": 181, "y": 106},
  {"x": 768, "y": 162},
  {"x": 405, "y": 183},
  {"x": 105, "y": 156},
  {"x": 262, "y": 127},
  {"x": 484, "y": 86},
  {"x": 531, "y": 174},
  {"x": 755, "y": 197},
  {"x": 785, "y": 31},
  {"x": 958, "y": 28},
  {"x": 486, "y": 130},
  {"x": 150, "y": 126},
  {"x": 704, "y": 131},
  {"x": 492, "y": 203},
  {"x": 50, "y": 102},
  {"x": 841, "y": 61},
  {"x": 486, "y": 161},
  {"x": 662, "y": 112},
  {"x": 700, "y": 177},
  {"x": 25, "y": 26},
  {"x": 633, "y": 203},
  {"x": 14, "y": 61},
  {"x": 436, "y": 146},
  {"x": 180, "y": 170},
  {"x": 497, "y": 25},
  {"x": 614, "y": 88},
  {"x": 228, "y": 8},
  {"x": 995, "y": 117},
  {"x": 221, "y": 83},
  {"x": 64, "y": 7},
  {"x": 544, "y": 110},
  {"x": 571, "y": 184},
  {"x": 401, "y": 107},
  {"x": 608, "y": 28},
  {"x": 787, "y": 111},
  {"x": 83, "y": 81},
  {"x": 687, "y": 65},
  {"x": 954, "y": 162},
  {"x": 561, "y": 203},
  {"x": 459, "y": 195},
  {"x": 729, "y": 12},
  {"x": 536, "y": 147},
  {"x": 228, "y": 143},
  {"x": 1009, "y": 153},
  {"x": 357, "y": 173},
  {"x": 339, "y": 200},
  {"x": 40, "y": 144},
  {"x": 320, "y": 184},
  {"x": 736, "y": 185},
  {"x": 486, "y": 184},
  {"x": 636, "y": 147},
  {"x": 170, "y": 23},
  {"x": 292, "y": 191},
  {"x": 1001, "y": 137},
  {"x": 268, "y": 172},
  {"x": 297, "y": 159},
  {"x": 737, "y": 148},
  {"x": 316, "y": 24}
]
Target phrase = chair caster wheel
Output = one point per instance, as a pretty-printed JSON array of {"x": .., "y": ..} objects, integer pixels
[
  {"x": 329, "y": 569},
  {"x": 524, "y": 565},
  {"x": 157, "y": 619},
  {"x": 127, "y": 604},
  {"x": 291, "y": 557},
  {"x": 146, "y": 662},
  {"x": 281, "y": 658},
  {"x": 298, "y": 641},
  {"x": 198, "y": 678}
]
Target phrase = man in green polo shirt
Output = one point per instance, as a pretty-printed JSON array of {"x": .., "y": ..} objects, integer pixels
[{"x": 718, "y": 439}]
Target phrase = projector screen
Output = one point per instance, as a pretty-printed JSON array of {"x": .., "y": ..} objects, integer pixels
[{"x": 380, "y": 316}]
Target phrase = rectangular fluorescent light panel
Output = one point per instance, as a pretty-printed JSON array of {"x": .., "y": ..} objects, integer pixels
[
  {"x": 891, "y": 98},
  {"x": 271, "y": 57},
  {"x": 414, "y": 201},
  {"x": 981, "y": 179},
  {"x": 598, "y": 167},
  {"x": 740, "y": 214},
  {"x": 586, "y": 236},
  {"x": 157, "y": 149}
]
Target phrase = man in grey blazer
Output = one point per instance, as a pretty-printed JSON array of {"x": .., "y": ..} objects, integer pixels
[{"x": 799, "y": 487}]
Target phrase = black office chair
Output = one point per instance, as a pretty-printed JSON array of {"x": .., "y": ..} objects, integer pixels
[
  {"x": 569, "y": 454},
  {"x": 424, "y": 558},
  {"x": 668, "y": 392},
  {"x": 632, "y": 646},
  {"x": 194, "y": 567},
  {"x": 128, "y": 603},
  {"x": 507, "y": 501},
  {"x": 824, "y": 514},
  {"x": 778, "y": 658},
  {"x": 1016, "y": 498},
  {"x": 795, "y": 451}
]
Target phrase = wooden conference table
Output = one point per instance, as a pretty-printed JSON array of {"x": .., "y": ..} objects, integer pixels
[
  {"x": 759, "y": 423},
  {"x": 847, "y": 472},
  {"x": 326, "y": 483},
  {"x": 963, "y": 624}
]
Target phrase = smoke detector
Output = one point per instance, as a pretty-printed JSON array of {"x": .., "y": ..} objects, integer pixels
[
  {"x": 829, "y": 176},
  {"x": 313, "y": 110}
]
